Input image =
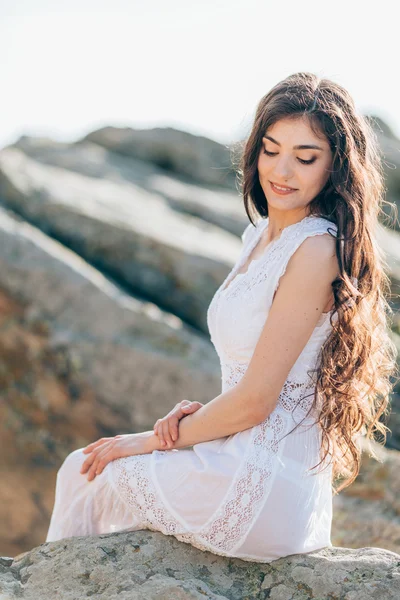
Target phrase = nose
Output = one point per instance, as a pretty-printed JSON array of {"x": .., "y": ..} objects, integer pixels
[{"x": 283, "y": 168}]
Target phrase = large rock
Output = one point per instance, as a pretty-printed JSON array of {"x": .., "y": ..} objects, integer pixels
[
  {"x": 47, "y": 409},
  {"x": 79, "y": 360},
  {"x": 172, "y": 259},
  {"x": 137, "y": 358},
  {"x": 200, "y": 158},
  {"x": 389, "y": 147},
  {"x": 368, "y": 511},
  {"x": 146, "y": 565},
  {"x": 217, "y": 205}
]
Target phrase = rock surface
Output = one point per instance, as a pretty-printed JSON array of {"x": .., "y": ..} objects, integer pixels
[
  {"x": 200, "y": 158},
  {"x": 174, "y": 260},
  {"x": 79, "y": 359},
  {"x": 218, "y": 205},
  {"x": 368, "y": 511},
  {"x": 137, "y": 358},
  {"x": 389, "y": 145},
  {"x": 146, "y": 565}
]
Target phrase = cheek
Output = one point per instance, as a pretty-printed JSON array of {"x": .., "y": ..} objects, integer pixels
[
  {"x": 316, "y": 177},
  {"x": 323, "y": 176},
  {"x": 261, "y": 163}
]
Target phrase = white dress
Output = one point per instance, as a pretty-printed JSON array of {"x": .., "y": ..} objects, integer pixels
[{"x": 247, "y": 495}]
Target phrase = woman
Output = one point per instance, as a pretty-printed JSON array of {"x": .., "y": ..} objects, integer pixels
[{"x": 300, "y": 326}]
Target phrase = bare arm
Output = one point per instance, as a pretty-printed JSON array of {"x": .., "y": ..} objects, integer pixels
[
  {"x": 230, "y": 412},
  {"x": 304, "y": 290}
]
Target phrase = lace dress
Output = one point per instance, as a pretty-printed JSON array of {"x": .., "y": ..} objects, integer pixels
[{"x": 247, "y": 495}]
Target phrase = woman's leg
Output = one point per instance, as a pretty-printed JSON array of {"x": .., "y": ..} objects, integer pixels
[{"x": 85, "y": 507}]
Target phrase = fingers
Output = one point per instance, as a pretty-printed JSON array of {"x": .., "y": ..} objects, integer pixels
[
  {"x": 188, "y": 409},
  {"x": 192, "y": 407},
  {"x": 173, "y": 429},
  {"x": 91, "y": 459},
  {"x": 93, "y": 445},
  {"x": 167, "y": 428},
  {"x": 164, "y": 431},
  {"x": 103, "y": 457},
  {"x": 184, "y": 403},
  {"x": 165, "y": 434}
]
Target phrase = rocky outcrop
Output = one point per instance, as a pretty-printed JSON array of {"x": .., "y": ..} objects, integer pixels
[
  {"x": 217, "y": 205},
  {"x": 368, "y": 511},
  {"x": 79, "y": 359},
  {"x": 47, "y": 409},
  {"x": 389, "y": 147},
  {"x": 136, "y": 357},
  {"x": 202, "y": 159},
  {"x": 174, "y": 260},
  {"x": 147, "y": 565}
]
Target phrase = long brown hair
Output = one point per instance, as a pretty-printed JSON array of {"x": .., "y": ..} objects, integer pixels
[{"x": 358, "y": 359}]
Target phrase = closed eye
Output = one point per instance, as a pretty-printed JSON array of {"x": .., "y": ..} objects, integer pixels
[{"x": 304, "y": 162}]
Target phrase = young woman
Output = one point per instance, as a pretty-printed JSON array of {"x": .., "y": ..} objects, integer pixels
[{"x": 300, "y": 325}]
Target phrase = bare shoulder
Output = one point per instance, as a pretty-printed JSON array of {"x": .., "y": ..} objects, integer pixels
[
  {"x": 321, "y": 242},
  {"x": 318, "y": 253}
]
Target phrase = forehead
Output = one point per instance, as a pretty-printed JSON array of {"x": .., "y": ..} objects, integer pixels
[{"x": 297, "y": 129}]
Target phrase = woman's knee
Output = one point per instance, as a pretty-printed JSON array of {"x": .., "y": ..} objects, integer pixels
[{"x": 72, "y": 462}]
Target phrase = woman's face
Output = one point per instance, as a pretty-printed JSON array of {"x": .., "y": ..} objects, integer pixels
[{"x": 293, "y": 157}]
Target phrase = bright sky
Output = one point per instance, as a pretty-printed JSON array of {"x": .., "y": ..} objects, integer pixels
[{"x": 70, "y": 67}]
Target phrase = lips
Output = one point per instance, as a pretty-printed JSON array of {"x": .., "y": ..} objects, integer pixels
[{"x": 284, "y": 188}]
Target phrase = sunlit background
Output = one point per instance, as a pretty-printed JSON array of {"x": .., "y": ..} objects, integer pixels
[
  {"x": 113, "y": 241},
  {"x": 71, "y": 67}
]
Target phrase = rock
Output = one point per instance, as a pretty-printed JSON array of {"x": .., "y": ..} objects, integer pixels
[
  {"x": 47, "y": 410},
  {"x": 381, "y": 127},
  {"x": 79, "y": 360},
  {"x": 368, "y": 511},
  {"x": 174, "y": 260},
  {"x": 97, "y": 321},
  {"x": 389, "y": 241},
  {"x": 216, "y": 205},
  {"x": 393, "y": 421},
  {"x": 200, "y": 158},
  {"x": 146, "y": 565},
  {"x": 389, "y": 146}
]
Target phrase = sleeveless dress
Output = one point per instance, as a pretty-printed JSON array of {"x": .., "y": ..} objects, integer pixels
[{"x": 247, "y": 495}]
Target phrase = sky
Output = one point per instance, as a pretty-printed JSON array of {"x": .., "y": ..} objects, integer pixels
[{"x": 72, "y": 66}]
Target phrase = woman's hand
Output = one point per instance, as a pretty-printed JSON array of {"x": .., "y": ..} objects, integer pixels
[
  {"x": 105, "y": 450},
  {"x": 167, "y": 428}
]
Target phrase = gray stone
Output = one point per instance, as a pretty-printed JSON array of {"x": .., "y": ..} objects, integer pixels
[
  {"x": 219, "y": 206},
  {"x": 138, "y": 359},
  {"x": 172, "y": 259},
  {"x": 200, "y": 158},
  {"x": 146, "y": 565}
]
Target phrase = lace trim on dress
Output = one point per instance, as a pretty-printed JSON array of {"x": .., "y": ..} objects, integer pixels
[
  {"x": 232, "y": 372},
  {"x": 229, "y": 525},
  {"x": 297, "y": 397},
  {"x": 134, "y": 484}
]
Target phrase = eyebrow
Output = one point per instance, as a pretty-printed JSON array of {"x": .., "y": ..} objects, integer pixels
[{"x": 299, "y": 147}]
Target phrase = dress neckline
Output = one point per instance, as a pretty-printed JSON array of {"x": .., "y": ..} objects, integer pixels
[{"x": 262, "y": 226}]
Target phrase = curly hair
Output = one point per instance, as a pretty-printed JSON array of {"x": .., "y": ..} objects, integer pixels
[{"x": 358, "y": 359}]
